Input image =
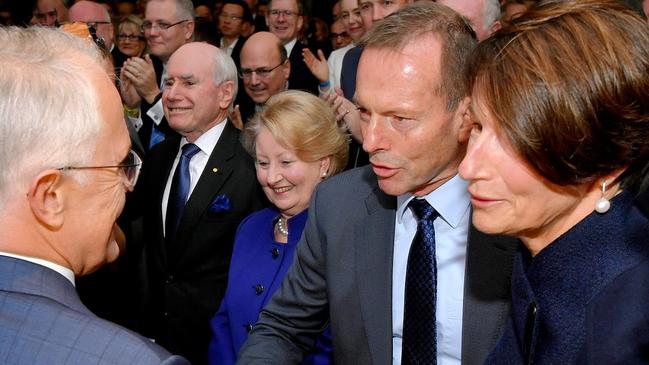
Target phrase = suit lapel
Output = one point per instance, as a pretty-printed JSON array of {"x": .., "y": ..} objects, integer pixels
[
  {"x": 217, "y": 171},
  {"x": 486, "y": 293},
  {"x": 374, "y": 238}
]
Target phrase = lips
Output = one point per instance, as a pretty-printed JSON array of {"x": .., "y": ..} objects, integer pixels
[
  {"x": 178, "y": 109},
  {"x": 383, "y": 171},
  {"x": 282, "y": 190}
]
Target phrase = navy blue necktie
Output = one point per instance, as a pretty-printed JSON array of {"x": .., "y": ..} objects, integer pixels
[
  {"x": 179, "y": 190},
  {"x": 419, "y": 344}
]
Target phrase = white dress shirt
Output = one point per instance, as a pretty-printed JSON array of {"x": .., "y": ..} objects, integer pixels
[
  {"x": 67, "y": 273},
  {"x": 289, "y": 47},
  {"x": 229, "y": 48},
  {"x": 206, "y": 142},
  {"x": 452, "y": 202}
]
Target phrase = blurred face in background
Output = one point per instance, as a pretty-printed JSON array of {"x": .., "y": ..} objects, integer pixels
[
  {"x": 350, "y": 16},
  {"x": 130, "y": 39},
  {"x": 338, "y": 35},
  {"x": 231, "y": 20},
  {"x": 284, "y": 19},
  {"x": 375, "y": 10},
  {"x": 160, "y": 15}
]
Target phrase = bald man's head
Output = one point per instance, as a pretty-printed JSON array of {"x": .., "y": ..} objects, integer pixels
[{"x": 264, "y": 66}]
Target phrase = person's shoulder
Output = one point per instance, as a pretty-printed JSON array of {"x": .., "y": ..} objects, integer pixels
[
  {"x": 258, "y": 218},
  {"x": 350, "y": 185}
]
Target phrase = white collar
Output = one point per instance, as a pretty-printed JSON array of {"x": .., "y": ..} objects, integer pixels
[{"x": 67, "y": 273}]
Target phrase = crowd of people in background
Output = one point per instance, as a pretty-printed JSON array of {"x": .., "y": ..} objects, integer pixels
[{"x": 320, "y": 182}]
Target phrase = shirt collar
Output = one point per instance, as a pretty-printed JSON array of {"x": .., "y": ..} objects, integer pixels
[
  {"x": 67, "y": 273},
  {"x": 289, "y": 47},
  {"x": 451, "y": 200},
  {"x": 207, "y": 141}
]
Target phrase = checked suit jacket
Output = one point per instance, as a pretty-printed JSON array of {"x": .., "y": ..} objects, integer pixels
[
  {"x": 342, "y": 274},
  {"x": 187, "y": 276},
  {"x": 42, "y": 321}
]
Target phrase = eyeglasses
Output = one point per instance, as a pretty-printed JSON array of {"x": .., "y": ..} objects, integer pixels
[
  {"x": 338, "y": 35},
  {"x": 147, "y": 25},
  {"x": 275, "y": 13},
  {"x": 94, "y": 23},
  {"x": 261, "y": 72},
  {"x": 129, "y": 37},
  {"x": 130, "y": 169},
  {"x": 233, "y": 18}
]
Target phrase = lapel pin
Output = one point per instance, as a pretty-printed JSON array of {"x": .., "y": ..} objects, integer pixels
[{"x": 214, "y": 169}]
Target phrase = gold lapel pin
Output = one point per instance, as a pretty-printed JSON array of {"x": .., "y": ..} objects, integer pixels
[{"x": 214, "y": 169}]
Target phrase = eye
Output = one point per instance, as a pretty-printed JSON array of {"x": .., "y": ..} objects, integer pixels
[
  {"x": 164, "y": 25},
  {"x": 262, "y": 164},
  {"x": 365, "y": 115},
  {"x": 388, "y": 2},
  {"x": 286, "y": 163},
  {"x": 169, "y": 83}
]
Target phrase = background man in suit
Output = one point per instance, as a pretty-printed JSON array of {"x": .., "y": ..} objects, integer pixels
[
  {"x": 264, "y": 71},
  {"x": 67, "y": 169},
  {"x": 97, "y": 16},
  {"x": 168, "y": 24},
  {"x": 196, "y": 190},
  {"x": 285, "y": 20},
  {"x": 353, "y": 266}
]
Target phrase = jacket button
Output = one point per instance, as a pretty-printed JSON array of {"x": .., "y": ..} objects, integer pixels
[
  {"x": 259, "y": 289},
  {"x": 275, "y": 252},
  {"x": 249, "y": 327}
]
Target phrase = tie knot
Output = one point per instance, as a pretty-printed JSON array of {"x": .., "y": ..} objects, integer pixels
[
  {"x": 422, "y": 209},
  {"x": 189, "y": 150}
]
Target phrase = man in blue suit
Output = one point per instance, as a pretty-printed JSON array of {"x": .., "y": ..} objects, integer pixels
[{"x": 67, "y": 165}]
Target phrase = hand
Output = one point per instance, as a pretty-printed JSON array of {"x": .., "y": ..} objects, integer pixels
[
  {"x": 317, "y": 66},
  {"x": 141, "y": 74},
  {"x": 346, "y": 112},
  {"x": 130, "y": 96},
  {"x": 235, "y": 117}
]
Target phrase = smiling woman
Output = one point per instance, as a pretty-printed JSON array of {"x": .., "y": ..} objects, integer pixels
[
  {"x": 296, "y": 144},
  {"x": 558, "y": 150}
]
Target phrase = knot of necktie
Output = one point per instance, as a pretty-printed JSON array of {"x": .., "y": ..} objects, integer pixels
[
  {"x": 423, "y": 210},
  {"x": 189, "y": 150}
]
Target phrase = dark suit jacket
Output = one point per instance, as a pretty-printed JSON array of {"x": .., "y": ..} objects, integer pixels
[
  {"x": 301, "y": 77},
  {"x": 348, "y": 72},
  {"x": 343, "y": 273},
  {"x": 42, "y": 321},
  {"x": 147, "y": 123},
  {"x": 188, "y": 275}
]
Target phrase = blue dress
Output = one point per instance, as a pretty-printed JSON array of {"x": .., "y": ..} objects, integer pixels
[
  {"x": 257, "y": 268},
  {"x": 584, "y": 299}
]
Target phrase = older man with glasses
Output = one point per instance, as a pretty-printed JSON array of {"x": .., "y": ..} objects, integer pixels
[
  {"x": 168, "y": 24},
  {"x": 96, "y": 16}
]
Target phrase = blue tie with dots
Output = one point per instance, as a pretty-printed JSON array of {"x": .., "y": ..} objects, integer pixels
[
  {"x": 179, "y": 190},
  {"x": 419, "y": 331}
]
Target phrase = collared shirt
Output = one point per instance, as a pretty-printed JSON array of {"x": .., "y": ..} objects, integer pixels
[
  {"x": 229, "y": 48},
  {"x": 67, "y": 273},
  {"x": 206, "y": 142},
  {"x": 289, "y": 47},
  {"x": 452, "y": 202}
]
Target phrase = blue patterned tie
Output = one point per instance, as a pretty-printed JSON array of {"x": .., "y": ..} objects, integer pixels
[
  {"x": 179, "y": 190},
  {"x": 419, "y": 332}
]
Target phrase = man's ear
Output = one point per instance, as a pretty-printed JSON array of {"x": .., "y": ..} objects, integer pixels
[
  {"x": 46, "y": 198},
  {"x": 227, "y": 94},
  {"x": 495, "y": 26},
  {"x": 189, "y": 34},
  {"x": 464, "y": 114},
  {"x": 287, "y": 69}
]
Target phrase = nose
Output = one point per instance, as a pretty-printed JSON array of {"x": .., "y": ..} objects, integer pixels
[
  {"x": 169, "y": 92},
  {"x": 378, "y": 13},
  {"x": 274, "y": 174},
  {"x": 254, "y": 78},
  {"x": 373, "y": 132},
  {"x": 469, "y": 166}
]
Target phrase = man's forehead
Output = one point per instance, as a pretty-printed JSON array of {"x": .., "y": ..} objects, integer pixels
[
  {"x": 162, "y": 10},
  {"x": 284, "y": 4},
  {"x": 233, "y": 9}
]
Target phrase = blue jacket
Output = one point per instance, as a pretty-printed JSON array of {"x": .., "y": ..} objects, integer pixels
[
  {"x": 258, "y": 265},
  {"x": 585, "y": 297}
]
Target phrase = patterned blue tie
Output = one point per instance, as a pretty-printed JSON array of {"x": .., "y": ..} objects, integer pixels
[
  {"x": 179, "y": 190},
  {"x": 419, "y": 332}
]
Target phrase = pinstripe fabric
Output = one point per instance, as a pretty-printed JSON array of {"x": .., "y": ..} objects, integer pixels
[{"x": 42, "y": 321}]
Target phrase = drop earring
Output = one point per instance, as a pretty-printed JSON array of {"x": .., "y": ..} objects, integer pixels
[{"x": 603, "y": 205}]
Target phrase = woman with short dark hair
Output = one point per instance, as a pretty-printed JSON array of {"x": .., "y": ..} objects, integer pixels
[{"x": 558, "y": 150}]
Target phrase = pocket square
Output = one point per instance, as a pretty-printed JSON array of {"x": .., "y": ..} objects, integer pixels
[{"x": 221, "y": 204}]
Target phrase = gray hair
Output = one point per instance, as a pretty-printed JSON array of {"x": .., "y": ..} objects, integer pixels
[
  {"x": 225, "y": 70},
  {"x": 492, "y": 12},
  {"x": 49, "y": 111},
  {"x": 185, "y": 8}
]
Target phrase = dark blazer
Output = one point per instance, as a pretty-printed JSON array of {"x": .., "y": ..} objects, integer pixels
[
  {"x": 187, "y": 276},
  {"x": 348, "y": 72},
  {"x": 583, "y": 299},
  {"x": 301, "y": 77},
  {"x": 147, "y": 123},
  {"x": 343, "y": 273},
  {"x": 42, "y": 321}
]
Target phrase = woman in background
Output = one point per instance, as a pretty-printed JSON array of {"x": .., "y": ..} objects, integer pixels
[
  {"x": 558, "y": 150},
  {"x": 130, "y": 40},
  {"x": 296, "y": 144}
]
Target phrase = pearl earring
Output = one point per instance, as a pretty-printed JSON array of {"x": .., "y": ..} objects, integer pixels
[{"x": 603, "y": 205}]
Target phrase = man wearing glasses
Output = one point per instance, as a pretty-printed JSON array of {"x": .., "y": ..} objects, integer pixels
[
  {"x": 265, "y": 69},
  {"x": 96, "y": 16},
  {"x": 67, "y": 165},
  {"x": 285, "y": 20},
  {"x": 168, "y": 24}
]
